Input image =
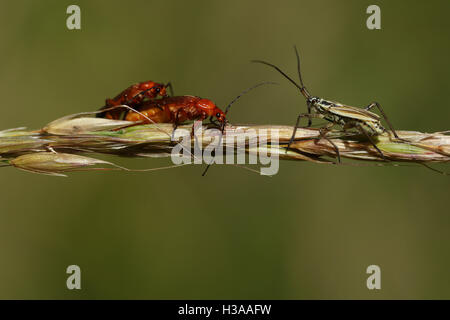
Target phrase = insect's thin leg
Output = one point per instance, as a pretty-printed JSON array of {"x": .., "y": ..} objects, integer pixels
[
  {"x": 372, "y": 142},
  {"x": 103, "y": 114},
  {"x": 194, "y": 135},
  {"x": 201, "y": 119},
  {"x": 175, "y": 125},
  {"x": 323, "y": 132},
  {"x": 169, "y": 85},
  {"x": 300, "y": 116},
  {"x": 376, "y": 104},
  {"x": 309, "y": 112},
  {"x": 214, "y": 122},
  {"x": 433, "y": 169},
  {"x": 124, "y": 113},
  {"x": 218, "y": 145},
  {"x": 206, "y": 170}
]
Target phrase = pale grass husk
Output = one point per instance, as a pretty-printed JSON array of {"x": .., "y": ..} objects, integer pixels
[{"x": 59, "y": 146}]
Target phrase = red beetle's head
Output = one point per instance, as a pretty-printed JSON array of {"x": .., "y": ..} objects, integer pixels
[
  {"x": 152, "y": 89},
  {"x": 211, "y": 109}
]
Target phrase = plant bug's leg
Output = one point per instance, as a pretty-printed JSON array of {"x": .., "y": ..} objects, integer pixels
[
  {"x": 433, "y": 169},
  {"x": 323, "y": 131},
  {"x": 376, "y": 104},
  {"x": 361, "y": 129},
  {"x": 309, "y": 112},
  {"x": 303, "y": 90},
  {"x": 300, "y": 116}
]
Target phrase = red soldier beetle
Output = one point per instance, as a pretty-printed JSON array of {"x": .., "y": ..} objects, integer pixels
[{"x": 133, "y": 96}]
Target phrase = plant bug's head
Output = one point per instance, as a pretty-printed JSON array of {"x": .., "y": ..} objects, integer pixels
[{"x": 313, "y": 100}]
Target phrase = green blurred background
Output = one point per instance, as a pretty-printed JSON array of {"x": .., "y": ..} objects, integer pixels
[{"x": 308, "y": 232}]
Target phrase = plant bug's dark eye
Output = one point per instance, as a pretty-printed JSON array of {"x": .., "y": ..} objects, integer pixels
[
  {"x": 218, "y": 115},
  {"x": 157, "y": 90}
]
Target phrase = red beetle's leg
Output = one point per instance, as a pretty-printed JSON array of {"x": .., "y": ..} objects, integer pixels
[
  {"x": 169, "y": 85},
  {"x": 214, "y": 122},
  {"x": 177, "y": 121},
  {"x": 201, "y": 118}
]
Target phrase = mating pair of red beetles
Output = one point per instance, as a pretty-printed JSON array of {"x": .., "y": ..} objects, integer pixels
[
  {"x": 146, "y": 108},
  {"x": 143, "y": 106}
]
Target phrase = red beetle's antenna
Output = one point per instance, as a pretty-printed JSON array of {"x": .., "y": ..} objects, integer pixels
[
  {"x": 246, "y": 91},
  {"x": 243, "y": 93}
]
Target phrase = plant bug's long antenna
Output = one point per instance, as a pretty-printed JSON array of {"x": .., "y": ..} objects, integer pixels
[
  {"x": 300, "y": 86},
  {"x": 228, "y": 108},
  {"x": 303, "y": 89}
]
